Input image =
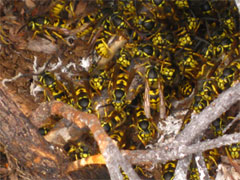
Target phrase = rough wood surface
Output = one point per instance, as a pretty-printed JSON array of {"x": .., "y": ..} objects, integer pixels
[{"x": 21, "y": 139}]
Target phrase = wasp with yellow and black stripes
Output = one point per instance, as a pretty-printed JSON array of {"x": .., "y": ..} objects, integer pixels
[
  {"x": 168, "y": 170},
  {"x": 113, "y": 120},
  {"x": 77, "y": 150},
  {"x": 53, "y": 88},
  {"x": 145, "y": 127},
  {"x": 225, "y": 78},
  {"x": 62, "y": 9},
  {"x": 118, "y": 88},
  {"x": 205, "y": 95},
  {"x": 82, "y": 99}
]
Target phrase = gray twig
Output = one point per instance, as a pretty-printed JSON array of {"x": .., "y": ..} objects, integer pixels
[
  {"x": 163, "y": 154},
  {"x": 182, "y": 168},
  {"x": 231, "y": 123},
  {"x": 113, "y": 157},
  {"x": 202, "y": 169},
  {"x": 201, "y": 121}
]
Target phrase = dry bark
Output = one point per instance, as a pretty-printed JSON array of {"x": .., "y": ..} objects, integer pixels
[
  {"x": 21, "y": 140},
  {"x": 109, "y": 150}
]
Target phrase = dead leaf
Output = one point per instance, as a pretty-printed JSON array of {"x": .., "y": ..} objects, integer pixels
[
  {"x": 42, "y": 45},
  {"x": 81, "y": 6},
  {"x": 30, "y": 4}
]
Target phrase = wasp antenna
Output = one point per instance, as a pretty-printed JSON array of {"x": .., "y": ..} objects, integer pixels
[
  {"x": 21, "y": 28},
  {"x": 201, "y": 39},
  {"x": 191, "y": 11},
  {"x": 132, "y": 106},
  {"x": 210, "y": 19},
  {"x": 104, "y": 105}
]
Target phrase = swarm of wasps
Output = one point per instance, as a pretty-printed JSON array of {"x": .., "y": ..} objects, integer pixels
[{"x": 173, "y": 50}]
